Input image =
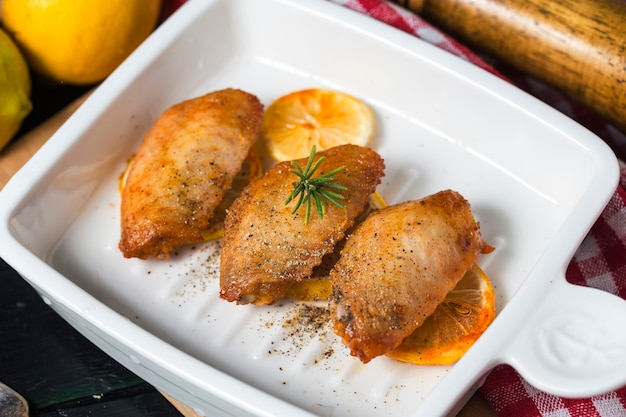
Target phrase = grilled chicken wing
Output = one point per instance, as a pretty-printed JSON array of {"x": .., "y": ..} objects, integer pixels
[
  {"x": 184, "y": 166},
  {"x": 266, "y": 248},
  {"x": 397, "y": 267}
]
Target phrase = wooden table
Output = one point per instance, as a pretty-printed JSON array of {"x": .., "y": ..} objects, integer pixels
[{"x": 55, "y": 368}]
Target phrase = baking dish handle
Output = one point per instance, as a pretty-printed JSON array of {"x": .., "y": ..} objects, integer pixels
[{"x": 574, "y": 342}]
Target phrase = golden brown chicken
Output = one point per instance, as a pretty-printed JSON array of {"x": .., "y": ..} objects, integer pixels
[
  {"x": 184, "y": 166},
  {"x": 266, "y": 248},
  {"x": 396, "y": 268}
]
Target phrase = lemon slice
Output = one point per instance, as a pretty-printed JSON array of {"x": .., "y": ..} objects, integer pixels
[
  {"x": 295, "y": 122},
  {"x": 121, "y": 183},
  {"x": 455, "y": 325},
  {"x": 377, "y": 201},
  {"x": 311, "y": 289}
]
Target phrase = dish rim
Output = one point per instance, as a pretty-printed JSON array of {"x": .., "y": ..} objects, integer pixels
[{"x": 17, "y": 190}]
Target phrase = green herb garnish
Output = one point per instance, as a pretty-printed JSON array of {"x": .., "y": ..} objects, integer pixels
[{"x": 317, "y": 190}]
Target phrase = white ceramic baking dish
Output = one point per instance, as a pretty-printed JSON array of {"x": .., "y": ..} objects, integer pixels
[{"x": 536, "y": 181}]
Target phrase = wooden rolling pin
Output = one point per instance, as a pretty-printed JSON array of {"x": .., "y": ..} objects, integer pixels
[{"x": 577, "y": 46}]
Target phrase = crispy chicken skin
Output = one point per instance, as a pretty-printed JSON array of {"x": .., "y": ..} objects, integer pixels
[
  {"x": 266, "y": 248},
  {"x": 182, "y": 169},
  {"x": 396, "y": 268}
]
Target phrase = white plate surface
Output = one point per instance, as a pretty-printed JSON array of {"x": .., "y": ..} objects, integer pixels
[{"x": 535, "y": 179}]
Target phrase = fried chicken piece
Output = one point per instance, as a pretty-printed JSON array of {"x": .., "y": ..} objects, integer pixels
[
  {"x": 182, "y": 169},
  {"x": 397, "y": 267},
  {"x": 266, "y": 248}
]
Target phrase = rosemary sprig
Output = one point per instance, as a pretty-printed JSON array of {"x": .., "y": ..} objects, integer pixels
[{"x": 314, "y": 190}]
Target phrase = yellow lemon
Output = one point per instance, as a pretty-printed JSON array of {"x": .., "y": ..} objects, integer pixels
[
  {"x": 295, "y": 122},
  {"x": 15, "y": 87},
  {"x": 78, "y": 41}
]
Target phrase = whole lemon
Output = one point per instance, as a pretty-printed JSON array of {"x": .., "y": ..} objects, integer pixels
[
  {"x": 14, "y": 88},
  {"x": 78, "y": 41}
]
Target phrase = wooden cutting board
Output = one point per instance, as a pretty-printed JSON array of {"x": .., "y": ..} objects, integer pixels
[{"x": 14, "y": 156}]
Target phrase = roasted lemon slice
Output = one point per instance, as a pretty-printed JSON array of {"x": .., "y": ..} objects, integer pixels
[
  {"x": 121, "y": 183},
  {"x": 295, "y": 122},
  {"x": 312, "y": 289},
  {"x": 455, "y": 325}
]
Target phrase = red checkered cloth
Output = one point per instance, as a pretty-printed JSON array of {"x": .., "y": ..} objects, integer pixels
[{"x": 600, "y": 262}]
